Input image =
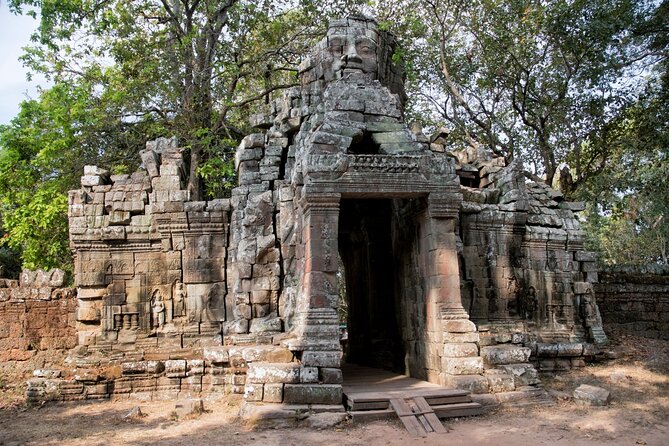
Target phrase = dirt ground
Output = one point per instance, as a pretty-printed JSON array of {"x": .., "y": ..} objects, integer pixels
[{"x": 637, "y": 415}]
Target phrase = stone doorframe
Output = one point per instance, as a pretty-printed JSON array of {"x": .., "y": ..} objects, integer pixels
[{"x": 453, "y": 336}]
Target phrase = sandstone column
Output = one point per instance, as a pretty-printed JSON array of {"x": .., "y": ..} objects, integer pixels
[
  {"x": 317, "y": 325},
  {"x": 446, "y": 315}
]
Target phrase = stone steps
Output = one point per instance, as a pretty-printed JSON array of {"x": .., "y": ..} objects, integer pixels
[
  {"x": 451, "y": 410},
  {"x": 507, "y": 367}
]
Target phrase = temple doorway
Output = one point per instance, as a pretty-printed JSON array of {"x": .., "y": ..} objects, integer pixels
[{"x": 377, "y": 250}]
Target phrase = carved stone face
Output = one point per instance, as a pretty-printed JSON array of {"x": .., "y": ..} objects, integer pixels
[{"x": 355, "y": 51}]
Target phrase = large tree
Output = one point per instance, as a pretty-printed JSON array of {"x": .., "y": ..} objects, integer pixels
[
  {"x": 197, "y": 66},
  {"x": 124, "y": 72},
  {"x": 523, "y": 77},
  {"x": 624, "y": 165}
]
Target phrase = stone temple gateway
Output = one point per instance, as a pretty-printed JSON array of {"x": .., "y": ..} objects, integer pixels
[{"x": 458, "y": 270}]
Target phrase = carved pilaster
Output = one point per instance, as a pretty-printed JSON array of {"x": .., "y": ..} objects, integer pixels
[{"x": 317, "y": 325}]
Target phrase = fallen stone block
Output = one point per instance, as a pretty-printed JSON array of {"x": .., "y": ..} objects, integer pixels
[{"x": 593, "y": 395}]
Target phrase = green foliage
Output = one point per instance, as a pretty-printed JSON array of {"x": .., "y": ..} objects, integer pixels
[
  {"x": 218, "y": 171},
  {"x": 42, "y": 154},
  {"x": 623, "y": 167},
  {"x": 186, "y": 65},
  {"x": 524, "y": 78},
  {"x": 34, "y": 174},
  {"x": 626, "y": 184}
]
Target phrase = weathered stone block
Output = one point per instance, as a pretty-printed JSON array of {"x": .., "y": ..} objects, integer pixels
[
  {"x": 329, "y": 375},
  {"x": 582, "y": 287},
  {"x": 460, "y": 350},
  {"x": 463, "y": 366},
  {"x": 195, "y": 367},
  {"x": 312, "y": 394},
  {"x": 500, "y": 383},
  {"x": 88, "y": 314},
  {"x": 262, "y": 325},
  {"x": 253, "y": 392},
  {"x": 308, "y": 375},
  {"x": 547, "y": 350},
  {"x": 321, "y": 359},
  {"x": 474, "y": 383},
  {"x": 191, "y": 385},
  {"x": 91, "y": 180},
  {"x": 273, "y": 373},
  {"x": 273, "y": 393},
  {"x": 261, "y": 296},
  {"x": 461, "y": 337},
  {"x": 593, "y": 395},
  {"x": 175, "y": 368},
  {"x": 216, "y": 355},
  {"x": 459, "y": 326},
  {"x": 523, "y": 374},
  {"x": 266, "y": 353},
  {"x": 151, "y": 162},
  {"x": 570, "y": 349},
  {"x": 503, "y": 354},
  {"x": 134, "y": 367},
  {"x": 243, "y": 311},
  {"x": 260, "y": 310},
  {"x": 238, "y": 326},
  {"x": 167, "y": 385}
]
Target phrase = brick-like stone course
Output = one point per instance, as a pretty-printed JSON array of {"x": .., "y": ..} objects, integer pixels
[
  {"x": 36, "y": 314},
  {"x": 635, "y": 300}
]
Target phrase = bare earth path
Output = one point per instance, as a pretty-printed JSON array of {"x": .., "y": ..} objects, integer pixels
[{"x": 638, "y": 415}]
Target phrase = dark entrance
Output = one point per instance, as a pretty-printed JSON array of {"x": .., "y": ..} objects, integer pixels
[{"x": 368, "y": 242}]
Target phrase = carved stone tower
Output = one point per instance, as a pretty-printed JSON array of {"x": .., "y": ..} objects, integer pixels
[{"x": 246, "y": 294}]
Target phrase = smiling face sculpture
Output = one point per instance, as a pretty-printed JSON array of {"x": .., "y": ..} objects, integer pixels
[
  {"x": 351, "y": 50},
  {"x": 354, "y": 47}
]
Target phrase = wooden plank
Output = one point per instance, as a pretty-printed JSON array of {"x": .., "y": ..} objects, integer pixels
[
  {"x": 413, "y": 426},
  {"x": 429, "y": 415},
  {"x": 373, "y": 405},
  {"x": 367, "y": 396},
  {"x": 440, "y": 392},
  {"x": 406, "y": 414},
  {"x": 426, "y": 424},
  {"x": 458, "y": 410},
  {"x": 440, "y": 401},
  {"x": 371, "y": 415},
  {"x": 401, "y": 407}
]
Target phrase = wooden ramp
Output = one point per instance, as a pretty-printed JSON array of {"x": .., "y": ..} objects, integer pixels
[{"x": 373, "y": 394}]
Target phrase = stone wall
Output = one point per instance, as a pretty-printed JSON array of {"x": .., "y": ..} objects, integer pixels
[
  {"x": 635, "y": 299},
  {"x": 36, "y": 314},
  {"x": 524, "y": 265},
  {"x": 148, "y": 261}
]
